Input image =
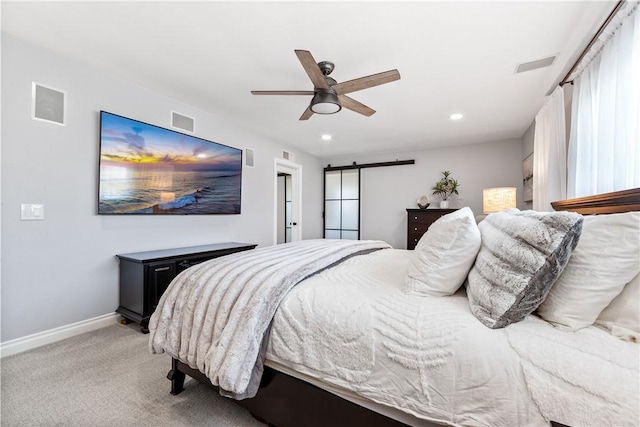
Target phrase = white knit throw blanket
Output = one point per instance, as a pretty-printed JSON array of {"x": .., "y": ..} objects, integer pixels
[{"x": 216, "y": 316}]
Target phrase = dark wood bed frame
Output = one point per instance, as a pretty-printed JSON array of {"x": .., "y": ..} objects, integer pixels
[
  {"x": 616, "y": 202},
  {"x": 285, "y": 401}
]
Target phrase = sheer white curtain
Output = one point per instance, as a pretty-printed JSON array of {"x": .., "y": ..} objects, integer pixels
[
  {"x": 604, "y": 145},
  {"x": 550, "y": 153}
]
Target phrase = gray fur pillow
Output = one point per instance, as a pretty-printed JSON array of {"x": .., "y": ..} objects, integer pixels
[{"x": 522, "y": 255}]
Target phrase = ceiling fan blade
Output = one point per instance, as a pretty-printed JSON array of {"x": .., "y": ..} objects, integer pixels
[
  {"x": 311, "y": 67},
  {"x": 282, "y": 92},
  {"x": 356, "y": 106},
  {"x": 366, "y": 82},
  {"x": 307, "y": 114}
]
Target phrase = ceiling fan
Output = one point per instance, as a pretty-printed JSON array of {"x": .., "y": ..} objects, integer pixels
[{"x": 329, "y": 96}]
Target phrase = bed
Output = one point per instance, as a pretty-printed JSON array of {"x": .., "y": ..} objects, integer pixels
[{"x": 369, "y": 335}]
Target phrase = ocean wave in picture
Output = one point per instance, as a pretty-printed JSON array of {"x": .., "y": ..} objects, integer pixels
[
  {"x": 178, "y": 203},
  {"x": 201, "y": 195}
]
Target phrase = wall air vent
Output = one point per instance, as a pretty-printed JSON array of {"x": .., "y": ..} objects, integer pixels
[
  {"x": 288, "y": 156},
  {"x": 180, "y": 121},
  {"x": 248, "y": 157},
  {"x": 48, "y": 104},
  {"x": 534, "y": 65}
]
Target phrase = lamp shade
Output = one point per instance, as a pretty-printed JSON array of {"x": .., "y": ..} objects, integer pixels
[{"x": 498, "y": 199}]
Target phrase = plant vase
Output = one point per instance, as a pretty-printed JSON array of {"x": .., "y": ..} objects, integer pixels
[{"x": 444, "y": 188}]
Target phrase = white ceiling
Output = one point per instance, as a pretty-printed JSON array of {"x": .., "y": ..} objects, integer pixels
[{"x": 453, "y": 57}]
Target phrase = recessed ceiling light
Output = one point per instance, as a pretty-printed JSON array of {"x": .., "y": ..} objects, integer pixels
[
  {"x": 456, "y": 116},
  {"x": 326, "y": 137}
]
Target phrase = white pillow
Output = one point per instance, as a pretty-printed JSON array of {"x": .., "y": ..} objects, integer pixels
[
  {"x": 607, "y": 257},
  {"x": 622, "y": 316},
  {"x": 444, "y": 255}
]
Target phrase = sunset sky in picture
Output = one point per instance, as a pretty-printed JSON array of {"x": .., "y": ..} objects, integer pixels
[{"x": 126, "y": 142}]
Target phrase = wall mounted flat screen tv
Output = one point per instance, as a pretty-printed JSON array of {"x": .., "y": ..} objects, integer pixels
[{"x": 146, "y": 169}]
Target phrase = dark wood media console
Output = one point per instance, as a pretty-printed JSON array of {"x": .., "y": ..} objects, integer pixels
[{"x": 144, "y": 276}]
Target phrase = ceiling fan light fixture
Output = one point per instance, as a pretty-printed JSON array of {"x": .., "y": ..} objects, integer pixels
[
  {"x": 328, "y": 94},
  {"x": 325, "y": 103}
]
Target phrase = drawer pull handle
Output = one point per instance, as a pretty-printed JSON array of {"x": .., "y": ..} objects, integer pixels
[
  {"x": 415, "y": 240},
  {"x": 162, "y": 269},
  {"x": 415, "y": 229},
  {"x": 187, "y": 264},
  {"x": 415, "y": 217}
]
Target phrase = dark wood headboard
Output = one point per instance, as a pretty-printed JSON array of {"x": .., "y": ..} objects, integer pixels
[{"x": 616, "y": 202}]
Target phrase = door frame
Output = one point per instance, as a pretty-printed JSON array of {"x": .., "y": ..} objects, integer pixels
[{"x": 295, "y": 170}]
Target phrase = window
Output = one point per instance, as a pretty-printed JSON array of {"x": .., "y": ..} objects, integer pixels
[{"x": 604, "y": 147}]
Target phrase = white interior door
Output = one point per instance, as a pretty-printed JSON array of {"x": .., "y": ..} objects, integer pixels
[{"x": 294, "y": 198}]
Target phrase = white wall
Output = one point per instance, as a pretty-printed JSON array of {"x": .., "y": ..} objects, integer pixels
[
  {"x": 388, "y": 191},
  {"x": 527, "y": 140},
  {"x": 63, "y": 269}
]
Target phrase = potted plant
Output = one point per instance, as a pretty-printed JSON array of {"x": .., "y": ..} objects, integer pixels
[{"x": 445, "y": 188}]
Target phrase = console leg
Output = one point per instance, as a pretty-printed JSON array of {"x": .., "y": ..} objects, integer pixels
[{"x": 176, "y": 377}]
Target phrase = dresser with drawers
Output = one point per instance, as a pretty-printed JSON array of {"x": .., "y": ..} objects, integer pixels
[{"x": 419, "y": 220}]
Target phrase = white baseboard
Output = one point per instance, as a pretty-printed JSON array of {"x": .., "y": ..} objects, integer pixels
[{"x": 39, "y": 339}]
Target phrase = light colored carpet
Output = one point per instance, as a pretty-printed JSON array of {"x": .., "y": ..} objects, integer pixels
[{"x": 106, "y": 378}]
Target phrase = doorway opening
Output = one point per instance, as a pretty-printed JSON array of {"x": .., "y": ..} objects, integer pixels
[
  {"x": 285, "y": 223},
  {"x": 287, "y": 202}
]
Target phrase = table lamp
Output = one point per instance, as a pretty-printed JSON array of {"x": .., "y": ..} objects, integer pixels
[{"x": 498, "y": 199}]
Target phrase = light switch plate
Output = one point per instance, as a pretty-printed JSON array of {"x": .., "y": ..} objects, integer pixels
[{"x": 31, "y": 212}]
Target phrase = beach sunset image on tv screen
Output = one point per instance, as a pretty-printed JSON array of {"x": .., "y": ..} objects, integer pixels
[{"x": 145, "y": 169}]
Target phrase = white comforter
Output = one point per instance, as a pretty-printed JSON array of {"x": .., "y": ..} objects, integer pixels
[
  {"x": 354, "y": 328},
  {"x": 214, "y": 316}
]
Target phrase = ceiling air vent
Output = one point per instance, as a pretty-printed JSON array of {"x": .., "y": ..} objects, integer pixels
[{"x": 534, "y": 65}]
